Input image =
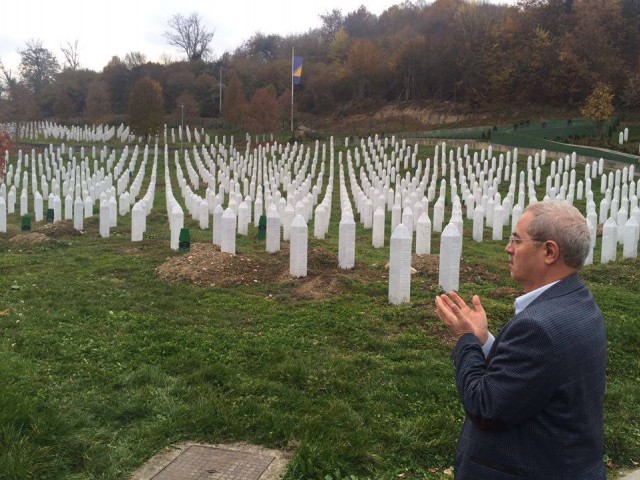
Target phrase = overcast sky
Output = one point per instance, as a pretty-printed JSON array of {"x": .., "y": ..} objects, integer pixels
[{"x": 115, "y": 27}]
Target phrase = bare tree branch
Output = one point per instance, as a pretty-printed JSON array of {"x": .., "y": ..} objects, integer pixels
[
  {"x": 190, "y": 35},
  {"x": 134, "y": 59},
  {"x": 71, "y": 55}
]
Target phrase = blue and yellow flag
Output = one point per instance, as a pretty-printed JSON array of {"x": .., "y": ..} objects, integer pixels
[{"x": 297, "y": 70}]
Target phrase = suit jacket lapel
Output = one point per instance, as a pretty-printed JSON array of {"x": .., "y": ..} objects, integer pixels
[{"x": 563, "y": 287}]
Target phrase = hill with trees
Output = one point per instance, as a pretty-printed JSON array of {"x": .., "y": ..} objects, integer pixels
[{"x": 465, "y": 54}]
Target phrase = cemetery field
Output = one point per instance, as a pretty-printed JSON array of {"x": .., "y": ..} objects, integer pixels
[{"x": 111, "y": 350}]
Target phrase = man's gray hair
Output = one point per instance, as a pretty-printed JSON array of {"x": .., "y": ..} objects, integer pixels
[{"x": 563, "y": 223}]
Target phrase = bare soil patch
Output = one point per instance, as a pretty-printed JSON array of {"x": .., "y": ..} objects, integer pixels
[
  {"x": 206, "y": 265},
  {"x": 63, "y": 228},
  {"x": 31, "y": 239}
]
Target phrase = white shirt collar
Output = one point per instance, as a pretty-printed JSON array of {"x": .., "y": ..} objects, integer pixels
[{"x": 525, "y": 300}]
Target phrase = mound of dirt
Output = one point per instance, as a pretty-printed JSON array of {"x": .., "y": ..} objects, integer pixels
[
  {"x": 64, "y": 228},
  {"x": 206, "y": 265},
  {"x": 426, "y": 264},
  {"x": 31, "y": 239},
  {"x": 319, "y": 287}
]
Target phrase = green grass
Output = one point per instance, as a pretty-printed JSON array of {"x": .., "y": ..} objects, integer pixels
[{"x": 102, "y": 364}]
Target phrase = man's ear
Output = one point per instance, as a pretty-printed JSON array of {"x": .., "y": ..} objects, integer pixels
[{"x": 551, "y": 252}]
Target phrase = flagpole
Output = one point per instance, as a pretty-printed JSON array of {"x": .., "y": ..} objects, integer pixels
[{"x": 292, "y": 58}]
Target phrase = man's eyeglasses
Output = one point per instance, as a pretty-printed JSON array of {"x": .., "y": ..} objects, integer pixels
[{"x": 513, "y": 240}]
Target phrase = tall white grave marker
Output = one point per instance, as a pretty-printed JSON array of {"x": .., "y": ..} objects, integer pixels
[
  {"x": 609, "y": 241},
  {"x": 347, "y": 242},
  {"x": 630, "y": 249},
  {"x": 298, "y": 249},
  {"x": 423, "y": 235},
  {"x": 228, "y": 233},
  {"x": 400, "y": 266},
  {"x": 377, "y": 239},
  {"x": 273, "y": 229},
  {"x": 450, "y": 253}
]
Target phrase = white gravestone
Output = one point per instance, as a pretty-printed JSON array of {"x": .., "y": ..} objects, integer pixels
[
  {"x": 105, "y": 220},
  {"x": 203, "y": 214},
  {"x": 400, "y": 266},
  {"x": 319, "y": 221},
  {"x": 78, "y": 214},
  {"x": 38, "y": 207},
  {"x": 273, "y": 229},
  {"x": 498, "y": 222},
  {"x": 377, "y": 239},
  {"x": 630, "y": 249},
  {"x": 217, "y": 224},
  {"x": 298, "y": 248},
  {"x": 347, "y": 242},
  {"x": 244, "y": 218},
  {"x": 228, "y": 232},
  {"x": 287, "y": 220},
  {"x": 423, "y": 235},
  {"x": 138, "y": 220},
  {"x": 3, "y": 215},
  {"x": 450, "y": 253},
  {"x": 609, "y": 241},
  {"x": 478, "y": 224}
]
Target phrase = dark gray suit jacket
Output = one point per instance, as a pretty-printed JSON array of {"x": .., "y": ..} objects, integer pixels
[{"x": 535, "y": 405}]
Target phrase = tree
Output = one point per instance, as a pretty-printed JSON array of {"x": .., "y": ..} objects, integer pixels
[
  {"x": 7, "y": 82},
  {"x": 265, "y": 113},
  {"x": 63, "y": 107},
  {"x": 38, "y": 66},
  {"x": 332, "y": 23},
  {"x": 190, "y": 35},
  {"x": 98, "y": 104},
  {"x": 360, "y": 23},
  {"x": 234, "y": 102},
  {"x": 631, "y": 94},
  {"x": 71, "y": 56},
  {"x": 206, "y": 90},
  {"x": 365, "y": 66},
  {"x": 118, "y": 78},
  {"x": 134, "y": 59},
  {"x": 146, "y": 114},
  {"x": 262, "y": 48},
  {"x": 409, "y": 66},
  {"x": 599, "y": 106},
  {"x": 186, "y": 109},
  {"x": 338, "y": 46}
]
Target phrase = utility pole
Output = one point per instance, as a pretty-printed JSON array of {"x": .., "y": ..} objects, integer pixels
[{"x": 181, "y": 126}]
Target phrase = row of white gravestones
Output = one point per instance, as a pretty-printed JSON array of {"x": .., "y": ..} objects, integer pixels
[
  {"x": 499, "y": 216},
  {"x": 243, "y": 208},
  {"x": 67, "y": 176},
  {"x": 408, "y": 212},
  {"x": 82, "y": 206}
]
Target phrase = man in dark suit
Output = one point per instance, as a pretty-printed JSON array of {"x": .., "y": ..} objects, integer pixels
[{"x": 534, "y": 395}]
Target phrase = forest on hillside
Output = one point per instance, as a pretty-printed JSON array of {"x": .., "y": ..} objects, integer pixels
[{"x": 472, "y": 53}]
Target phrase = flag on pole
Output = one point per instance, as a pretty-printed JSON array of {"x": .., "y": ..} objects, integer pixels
[{"x": 297, "y": 70}]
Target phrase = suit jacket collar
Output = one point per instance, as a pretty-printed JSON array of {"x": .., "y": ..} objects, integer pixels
[{"x": 563, "y": 287}]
